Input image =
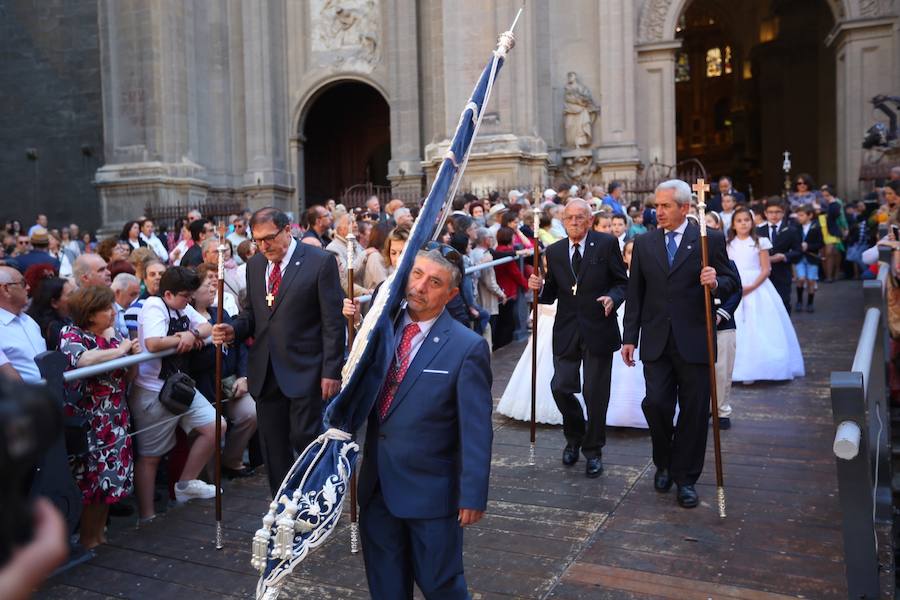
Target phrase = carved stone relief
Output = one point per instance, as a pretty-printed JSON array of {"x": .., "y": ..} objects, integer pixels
[
  {"x": 653, "y": 19},
  {"x": 346, "y": 34}
]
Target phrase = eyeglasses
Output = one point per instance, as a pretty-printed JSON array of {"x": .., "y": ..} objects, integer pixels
[
  {"x": 268, "y": 239},
  {"x": 446, "y": 251},
  {"x": 20, "y": 282},
  {"x": 801, "y": 183}
]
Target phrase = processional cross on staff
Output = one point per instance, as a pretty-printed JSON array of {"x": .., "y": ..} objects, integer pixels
[{"x": 701, "y": 187}]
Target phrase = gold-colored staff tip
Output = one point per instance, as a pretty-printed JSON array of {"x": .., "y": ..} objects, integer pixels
[{"x": 720, "y": 493}]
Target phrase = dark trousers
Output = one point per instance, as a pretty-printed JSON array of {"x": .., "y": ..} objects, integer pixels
[
  {"x": 400, "y": 551},
  {"x": 590, "y": 435},
  {"x": 286, "y": 426},
  {"x": 783, "y": 284},
  {"x": 506, "y": 324},
  {"x": 680, "y": 448}
]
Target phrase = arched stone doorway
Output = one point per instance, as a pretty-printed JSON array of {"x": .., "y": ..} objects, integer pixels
[
  {"x": 863, "y": 43},
  {"x": 753, "y": 79},
  {"x": 346, "y": 140}
]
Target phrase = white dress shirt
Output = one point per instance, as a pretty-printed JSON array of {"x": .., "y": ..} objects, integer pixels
[
  {"x": 285, "y": 261},
  {"x": 21, "y": 341},
  {"x": 419, "y": 338},
  {"x": 679, "y": 233},
  {"x": 156, "y": 245}
]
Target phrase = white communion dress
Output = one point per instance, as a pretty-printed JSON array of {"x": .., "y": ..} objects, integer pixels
[
  {"x": 766, "y": 343},
  {"x": 627, "y": 389}
]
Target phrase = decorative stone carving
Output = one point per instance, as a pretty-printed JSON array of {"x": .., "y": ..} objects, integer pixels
[
  {"x": 579, "y": 113},
  {"x": 346, "y": 33},
  {"x": 653, "y": 19},
  {"x": 869, "y": 8},
  {"x": 579, "y": 165}
]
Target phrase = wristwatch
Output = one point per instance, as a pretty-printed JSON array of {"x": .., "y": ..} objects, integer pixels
[{"x": 196, "y": 333}]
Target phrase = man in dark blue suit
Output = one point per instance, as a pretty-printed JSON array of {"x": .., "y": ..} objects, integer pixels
[
  {"x": 726, "y": 188},
  {"x": 786, "y": 250},
  {"x": 665, "y": 307},
  {"x": 428, "y": 445}
]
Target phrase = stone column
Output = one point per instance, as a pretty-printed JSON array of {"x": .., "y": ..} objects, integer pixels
[
  {"x": 616, "y": 151},
  {"x": 867, "y": 65},
  {"x": 266, "y": 177},
  {"x": 656, "y": 101},
  {"x": 404, "y": 168},
  {"x": 150, "y": 146}
]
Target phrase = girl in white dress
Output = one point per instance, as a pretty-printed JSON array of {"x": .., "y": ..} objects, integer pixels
[
  {"x": 627, "y": 388},
  {"x": 766, "y": 343}
]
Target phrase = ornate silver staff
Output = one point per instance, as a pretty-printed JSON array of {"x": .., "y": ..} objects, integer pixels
[
  {"x": 701, "y": 187},
  {"x": 220, "y": 292},
  {"x": 536, "y": 223},
  {"x": 351, "y": 329}
]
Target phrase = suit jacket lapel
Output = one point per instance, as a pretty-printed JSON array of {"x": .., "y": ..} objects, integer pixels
[
  {"x": 431, "y": 345},
  {"x": 688, "y": 241},
  {"x": 290, "y": 272},
  {"x": 658, "y": 246}
]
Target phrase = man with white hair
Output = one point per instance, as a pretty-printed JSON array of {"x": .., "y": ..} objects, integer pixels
[
  {"x": 90, "y": 269},
  {"x": 194, "y": 215},
  {"x": 339, "y": 246},
  {"x": 587, "y": 277},
  {"x": 126, "y": 288},
  {"x": 664, "y": 309},
  {"x": 403, "y": 217}
]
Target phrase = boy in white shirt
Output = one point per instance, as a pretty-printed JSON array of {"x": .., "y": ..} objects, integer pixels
[{"x": 168, "y": 321}]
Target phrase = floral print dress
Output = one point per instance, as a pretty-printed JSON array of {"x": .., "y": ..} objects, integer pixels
[{"x": 104, "y": 474}]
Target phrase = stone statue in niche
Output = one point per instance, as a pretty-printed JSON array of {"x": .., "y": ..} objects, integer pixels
[
  {"x": 579, "y": 113},
  {"x": 579, "y": 166},
  {"x": 347, "y": 33}
]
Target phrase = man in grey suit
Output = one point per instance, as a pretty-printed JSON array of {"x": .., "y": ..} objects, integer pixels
[{"x": 293, "y": 312}]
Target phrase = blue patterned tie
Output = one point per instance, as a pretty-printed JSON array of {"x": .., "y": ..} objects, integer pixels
[{"x": 671, "y": 246}]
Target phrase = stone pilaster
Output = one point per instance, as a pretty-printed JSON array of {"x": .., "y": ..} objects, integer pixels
[{"x": 656, "y": 101}]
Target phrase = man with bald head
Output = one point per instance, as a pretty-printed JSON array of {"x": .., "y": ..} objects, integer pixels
[
  {"x": 90, "y": 269},
  {"x": 587, "y": 276}
]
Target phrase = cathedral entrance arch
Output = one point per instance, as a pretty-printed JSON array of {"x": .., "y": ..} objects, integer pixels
[
  {"x": 346, "y": 136},
  {"x": 753, "y": 79}
]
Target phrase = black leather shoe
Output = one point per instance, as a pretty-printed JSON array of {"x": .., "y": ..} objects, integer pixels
[
  {"x": 687, "y": 496},
  {"x": 662, "y": 482},
  {"x": 570, "y": 455},
  {"x": 810, "y": 309},
  {"x": 241, "y": 473},
  {"x": 594, "y": 467},
  {"x": 724, "y": 423}
]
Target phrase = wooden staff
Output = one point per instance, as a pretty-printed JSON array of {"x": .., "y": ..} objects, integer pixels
[
  {"x": 701, "y": 187},
  {"x": 536, "y": 223},
  {"x": 351, "y": 330},
  {"x": 220, "y": 292}
]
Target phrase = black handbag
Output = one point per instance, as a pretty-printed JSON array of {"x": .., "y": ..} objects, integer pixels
[{"x": 177, "y": 393}]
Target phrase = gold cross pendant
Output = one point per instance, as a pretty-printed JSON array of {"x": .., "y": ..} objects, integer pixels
[
  {"x": 575, "y": 288},
  {"x": 270, "y": 299}
]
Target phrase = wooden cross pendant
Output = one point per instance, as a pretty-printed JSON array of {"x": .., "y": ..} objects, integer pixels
[
  {"x": 270, "y": 299},
  {"x": 575, "y": 288}
]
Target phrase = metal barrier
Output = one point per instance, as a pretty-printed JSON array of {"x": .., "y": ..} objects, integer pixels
[{"x": 859, "y": 403}]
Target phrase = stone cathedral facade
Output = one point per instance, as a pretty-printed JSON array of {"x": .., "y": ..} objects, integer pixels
[{"x": 242, "y": 98}]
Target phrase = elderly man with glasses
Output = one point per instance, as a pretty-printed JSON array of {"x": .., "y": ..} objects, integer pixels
[{"x": 20, "y": 335}]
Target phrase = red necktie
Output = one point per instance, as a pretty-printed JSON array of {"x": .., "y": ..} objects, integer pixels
[
  {"x": 275, "y": 280},
  {"x": 398, "y": 369}
]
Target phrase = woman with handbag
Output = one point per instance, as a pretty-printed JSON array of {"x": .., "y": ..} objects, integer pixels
[{"x": 104, "y": 473}]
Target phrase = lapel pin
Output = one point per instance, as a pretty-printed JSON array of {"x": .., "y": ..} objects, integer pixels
[
  {"x": 297, "y": 264},
  {"x": 592, "y": 243},
  {"x": 689, "y": 247},
  {"x": 436, "y": 340}
]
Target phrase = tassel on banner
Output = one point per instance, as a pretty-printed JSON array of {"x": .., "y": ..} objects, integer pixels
[
  {"x": 284, "y": 535},
  {"x": 261, "y": 539}
]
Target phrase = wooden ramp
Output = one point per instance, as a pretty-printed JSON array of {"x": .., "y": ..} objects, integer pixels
[{"x": 551, "y": 532}]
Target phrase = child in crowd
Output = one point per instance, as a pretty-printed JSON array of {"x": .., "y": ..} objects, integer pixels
[
  {"x": 637, "y": 222},
  {"x": 603, "y": 223},
  {"x": 808, "y": 266},
  {"x": 766, "y": 345},
  {"x": 619, "y": 229},
  {"x": 728, "y": 205}
]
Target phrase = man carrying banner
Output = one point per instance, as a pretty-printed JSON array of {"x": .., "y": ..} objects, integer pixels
[{"x": 428, "y": 444}]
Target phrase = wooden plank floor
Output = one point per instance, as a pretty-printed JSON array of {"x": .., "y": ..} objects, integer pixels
[{"x": 552, "y": 533}]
